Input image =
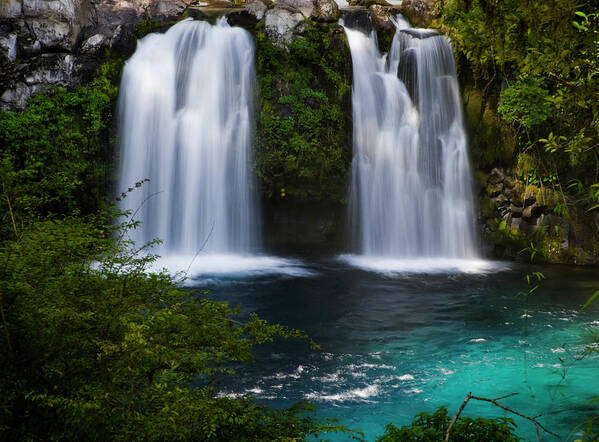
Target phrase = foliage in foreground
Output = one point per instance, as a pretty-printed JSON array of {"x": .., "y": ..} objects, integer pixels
[
  {"x": 432, "y": 427},
  {"x": 96, "y": 347}
]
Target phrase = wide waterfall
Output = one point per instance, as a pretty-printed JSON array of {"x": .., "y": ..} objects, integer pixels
[
  {"x": 411, "y": 191},
  {"x": 186, "y": 125}
]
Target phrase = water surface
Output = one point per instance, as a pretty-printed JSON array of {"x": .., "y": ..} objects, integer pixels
[{"x": 396, "y": 344}]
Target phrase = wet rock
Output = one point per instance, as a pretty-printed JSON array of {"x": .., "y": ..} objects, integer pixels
[
  {"x": 381, "y": 18},
  {"x": 326, "y": 11}
]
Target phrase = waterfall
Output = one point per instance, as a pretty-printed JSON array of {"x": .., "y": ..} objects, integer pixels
[
  {"x": 186, "y": 116},
  {"x": 410, "y": 191}
]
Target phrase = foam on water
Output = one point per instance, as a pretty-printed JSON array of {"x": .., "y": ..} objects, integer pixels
[
  {"x": 392, "y": 266},
  {"x": 230, "y": 265}
]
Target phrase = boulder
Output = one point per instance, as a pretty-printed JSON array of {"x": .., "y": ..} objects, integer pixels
[
  {"x": 94, "y": 43},
  {"x": 257, "y": 9},
  {"x": 305, "y": 7},
  {"x": 279, "y": 24},
  {"x": 381, "y": 18},
  {"x": 326, "y": 11}
]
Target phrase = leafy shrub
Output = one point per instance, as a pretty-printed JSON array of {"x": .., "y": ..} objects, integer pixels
[
  {"x": 433, "y": 427},
  {"x": 525, "y": 102}
]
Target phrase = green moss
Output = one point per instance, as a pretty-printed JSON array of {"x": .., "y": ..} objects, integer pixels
[
  {"x": 304, "y": 128},
  {"x": 492, "y": 141}
]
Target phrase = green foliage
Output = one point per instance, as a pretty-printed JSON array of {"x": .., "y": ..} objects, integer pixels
[
  {"x": 97, "y": 347},
  {"x": 304, "y": 129},
  {"x": 56, "y": 155},
  {"x": 432, "y": 427},
  {"x": 525, "y": 102}
]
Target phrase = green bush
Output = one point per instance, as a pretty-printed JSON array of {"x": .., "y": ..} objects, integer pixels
[
  {"x": 56, "y": 155},
  {"x": 433, "y": 427},
  {"x": 97, "y": 347},
  {"x": 526, "y": 102}
]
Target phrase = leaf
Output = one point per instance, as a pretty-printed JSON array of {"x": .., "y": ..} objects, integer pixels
[{"x": 590, "y": 300}]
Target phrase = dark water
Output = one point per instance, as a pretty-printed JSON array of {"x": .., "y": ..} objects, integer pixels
[{"x": 393, "y": 346}]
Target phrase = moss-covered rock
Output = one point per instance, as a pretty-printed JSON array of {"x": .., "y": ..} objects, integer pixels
[{"x": 304, "y": 126}]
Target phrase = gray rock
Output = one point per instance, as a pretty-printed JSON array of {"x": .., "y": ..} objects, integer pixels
[
  {"x": 381, "y": 18},
  {"x": 279, "y": 24},
  {"x": 49, "y": 69},
  {"x": 10, "y": 8},
  {"x": 256, "y": 9},
  {"x": 8, "y": 45},
  {"x": 326, "y": 11},
  {"x": 94, "y": 43},
  {"x": 52, "y": 34},
  {"x": 167, "y": 8},
  {"x": 305, "y": 7}
]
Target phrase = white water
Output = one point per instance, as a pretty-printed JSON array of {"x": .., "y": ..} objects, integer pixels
[
  {"x": 186, "y": 122},
  {"x": 410, "y": 184}
]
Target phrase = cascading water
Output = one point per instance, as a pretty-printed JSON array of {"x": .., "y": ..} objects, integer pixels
[
  {"x": 185, "y": 124},
  {"x": 410, "y": 184}
]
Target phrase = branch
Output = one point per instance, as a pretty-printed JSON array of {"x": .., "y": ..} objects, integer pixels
[{"x": 494, "y": 402}]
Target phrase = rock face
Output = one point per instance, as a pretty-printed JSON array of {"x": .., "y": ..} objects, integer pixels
[
  {"x": 57, "y": 42},
  {"x": 513, "y": 212}
]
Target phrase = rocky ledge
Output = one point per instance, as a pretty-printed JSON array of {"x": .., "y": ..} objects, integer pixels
[{"x": 62, "y": 42}]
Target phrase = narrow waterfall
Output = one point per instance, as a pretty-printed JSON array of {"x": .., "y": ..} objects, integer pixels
[
  {"x": 411, "y": 191},
  {"x": 186, "y": 113}
]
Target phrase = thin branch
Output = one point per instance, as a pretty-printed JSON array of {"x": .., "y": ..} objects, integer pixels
[
  {"x": 201, "y": 248},
  {"x": 455, "y": 418},
  {"x": 12, "y": 215},
  {"x": 494, "y": 402}
]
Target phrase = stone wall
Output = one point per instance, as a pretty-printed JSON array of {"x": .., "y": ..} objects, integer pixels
[{"x": 517, "y": 219}]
